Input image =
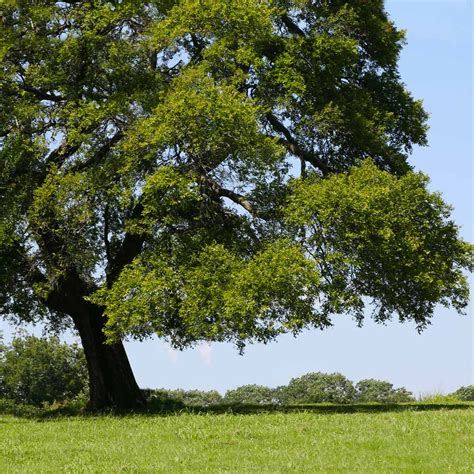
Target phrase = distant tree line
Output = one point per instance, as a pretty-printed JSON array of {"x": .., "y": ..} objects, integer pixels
[
  {"x": 314, "y": 387},
  {"x": 39, "y": 371}
]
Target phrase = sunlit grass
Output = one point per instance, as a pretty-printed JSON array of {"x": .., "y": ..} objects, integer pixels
[
  {"x": 437, "y": 398},
  {"x": 402, "y": 441}
]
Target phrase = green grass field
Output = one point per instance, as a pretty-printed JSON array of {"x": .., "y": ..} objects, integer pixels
[{"x": 394, "y": 441}]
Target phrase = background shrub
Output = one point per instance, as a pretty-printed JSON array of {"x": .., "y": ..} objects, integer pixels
[
  {"x": 465, "y": 394},
  {"x": 36, "y": 370},
  {"x": 372, "y": 390},
  {"x": 11, "y": 407},
  {"x": 162, "y": 399},
  {"x": 317, "y": 387},
  {"x": 251, "y": 394},
  {"x": 202, "y": 398},
  {"x": 181, "y": 398}
]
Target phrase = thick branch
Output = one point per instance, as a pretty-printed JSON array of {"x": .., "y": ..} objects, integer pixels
[
  {"x": 10, "y": 89},
  {"x": 67, "y": 292},
  {"x": 62, "y": 152},
  {"x": 238, "y": 199},
  {"x": 292, "y": 146},
  {"x": 40, "y": 94},
  {"x": 292, "y": 26},
  {"x": 232, "y": 195},
  {"x": 131, "y": 247},
  {"x": 280, "y": 128},
  {"x": 99, "y": 154},
  {"x": 65, "y": 150}
]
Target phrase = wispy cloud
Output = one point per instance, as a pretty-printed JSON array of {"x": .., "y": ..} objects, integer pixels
[{"x": 205, "y": 352}]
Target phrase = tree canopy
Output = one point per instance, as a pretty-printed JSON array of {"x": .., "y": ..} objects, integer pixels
[{"x": 214, "y": 170}]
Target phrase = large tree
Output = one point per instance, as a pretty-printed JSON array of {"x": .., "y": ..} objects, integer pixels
[{"x": 220, "y": 170}]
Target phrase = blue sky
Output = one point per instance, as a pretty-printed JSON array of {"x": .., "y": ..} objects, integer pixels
[{"x": 436, "y": 65}]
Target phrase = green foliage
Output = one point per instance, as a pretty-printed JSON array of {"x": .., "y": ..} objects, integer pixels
[
  {"x": 208, "y": 122},
  {"x": 67, "y": 201},
  {"x": 173, "y": 399},
  {"x": 201, "y": 398},
  {"x": 215, "y": 295},
  {"x": 360, "y": 234},
  {"x": 465, "y": 394},
  {"x": 12, "y": 407},
  {"x": 163, "y": 400},
  {"x": 372, "y": 390},
  {"x": 251, "y": 394},
  {"x": 147, "y": 165},
  {"x": 386, "y": 238},
  {"x": 37, "y": 371},
  {"x": 311, "y": 388},
  {"x": 316, "y": 387}
]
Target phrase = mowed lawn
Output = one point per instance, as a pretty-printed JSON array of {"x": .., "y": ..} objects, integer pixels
[{"x": 407, "y": 441}]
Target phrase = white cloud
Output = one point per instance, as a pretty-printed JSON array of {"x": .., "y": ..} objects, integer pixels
[{"x": 205, "y": 352}]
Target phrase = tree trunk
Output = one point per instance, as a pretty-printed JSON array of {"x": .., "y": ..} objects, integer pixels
[{"x": 111, "y": 380}]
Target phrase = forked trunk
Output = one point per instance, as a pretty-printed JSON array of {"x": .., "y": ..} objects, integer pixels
[{"x": 111, "y": 380}]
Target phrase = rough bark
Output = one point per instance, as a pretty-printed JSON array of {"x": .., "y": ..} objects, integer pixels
[{"x": 111, "y": 380}]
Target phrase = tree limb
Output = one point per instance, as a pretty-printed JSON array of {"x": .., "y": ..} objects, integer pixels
[
  {"x": 62, "y": 152},
  {"x": 101, "y": 153},
  {"x": 131, "y": 247},
  {"x": 65, "y": 150},
  {"x": 40, "y": 94},
  {"x": 293, "y": 147},
  {"x": 232, "y": 195},
  {"x": 238, "y": 199},
  {"x": 292, "y": 26}
]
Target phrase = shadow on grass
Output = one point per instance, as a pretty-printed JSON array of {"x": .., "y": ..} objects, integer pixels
[
  {"x": 266, "y": 409},
  {"x": 326, "y": 408},
  {"x": 332, "y": 408},
  {"x": 174, "y": 409}
]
